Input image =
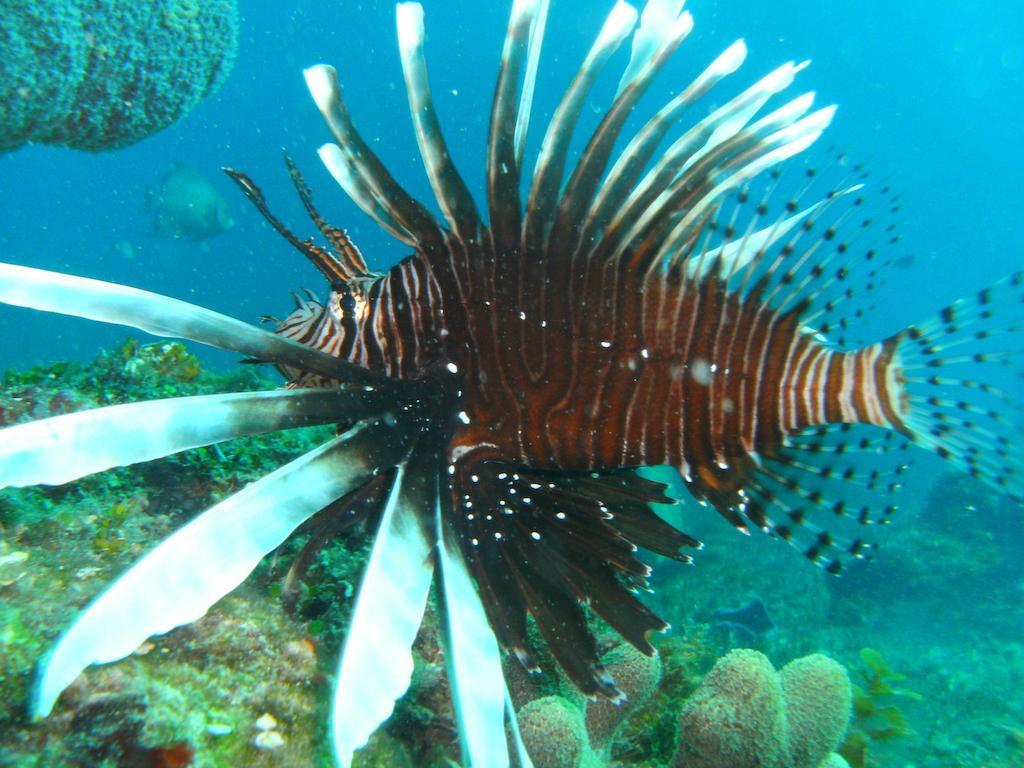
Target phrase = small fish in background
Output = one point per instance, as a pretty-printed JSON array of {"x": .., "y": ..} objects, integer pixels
[
  {"x": 905, "y": 262},
  {"x": 125, "y": 249},
  {"x": 187, "y": 205},
  {"x": 747, "y": 622}
]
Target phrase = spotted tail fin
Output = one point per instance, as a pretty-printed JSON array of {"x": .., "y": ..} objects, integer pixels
[
  {"x": 960, "y": 370},
  {"x": 946, "y": 385}
]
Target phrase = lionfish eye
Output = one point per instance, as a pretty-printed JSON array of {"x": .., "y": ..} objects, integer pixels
[{"x": 346, "y": 301}]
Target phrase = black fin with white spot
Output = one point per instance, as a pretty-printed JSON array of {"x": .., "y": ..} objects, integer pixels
[{"x": 548, "y": 543}]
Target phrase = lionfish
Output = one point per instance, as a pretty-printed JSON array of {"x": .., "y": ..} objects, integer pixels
[{"x": 498, "y": 389}]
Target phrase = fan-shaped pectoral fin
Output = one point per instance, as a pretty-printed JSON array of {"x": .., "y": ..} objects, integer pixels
[{"x": 192, "y": 569}]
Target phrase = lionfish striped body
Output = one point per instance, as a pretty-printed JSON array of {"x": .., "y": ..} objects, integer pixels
[
  {"x": 556, "y": 387},
  {"x": 501, "y": 385}
]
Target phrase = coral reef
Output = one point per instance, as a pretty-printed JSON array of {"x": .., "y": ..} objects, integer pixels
[
  {"x": 736, "y": 717},
  {"x": 818, "y": 699},
  {"x": 248, "y": 684},
  {"x": 102, "y": 74},
  {"x": 747, "y": 715},
  {"x": 194, "y": 696},
  {"x": 743, "y": 715},
  {"x": 565, "y": 731}
]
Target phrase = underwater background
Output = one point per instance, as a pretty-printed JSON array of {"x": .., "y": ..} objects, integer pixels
[{"x": 930, "y": 99}]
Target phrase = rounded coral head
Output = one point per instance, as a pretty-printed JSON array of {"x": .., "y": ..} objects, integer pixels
[
  {"x": 114, "y": 72},
  {"x": 819, "y": 702},
  {"x": 747, "y": 715},
  {"x": 736, "y": 717},
  {"x": 553, "y": 732},
  {"x": 637, "y": 675}
]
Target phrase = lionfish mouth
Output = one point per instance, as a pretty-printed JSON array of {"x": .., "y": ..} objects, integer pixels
[{"x": 644, "y": 222}]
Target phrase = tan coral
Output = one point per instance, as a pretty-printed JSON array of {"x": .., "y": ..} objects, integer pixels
[
  {"x": 746, "y": 715},
  {"x": 736, "y": 718},
  {"x": 637, "y": 676},
  {"x": 553, "y": 732},
  {"x": 818, "y": 706}
]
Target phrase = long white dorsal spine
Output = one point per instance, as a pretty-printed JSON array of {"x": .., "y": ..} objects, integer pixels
[
  {"x": 787, "y": 142},
  {"x": 345, "y": 170},
  {"x": 539, "y": 14},
  {"x": 629, "y": 165},
  {"x": 580, "y": 193},
  {"x": 656, "y": 25},
  {"x": 743, "y": 109},
  {"x": 705, "y": 140},
  {"x": 452, "y": 195},
  {"x": 709, "y": 132},
  {"x": 350, "y": 172},
  {"x": 550, "y": 163},
  {"x": 360, "y": 172},
  {"x": 513, "y": 93}
]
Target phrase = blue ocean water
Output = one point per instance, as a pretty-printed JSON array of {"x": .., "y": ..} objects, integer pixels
[{"x": 930, "y": 99}]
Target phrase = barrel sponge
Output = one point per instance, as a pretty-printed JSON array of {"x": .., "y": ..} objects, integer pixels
[
  {"x": 736, "y": 717},
  {"x": 818, "y": 707},
  {"x": 553, "y": 732},
  {"x": 41, "y": 53},
  {"x": 102, "y": 74},
  {"x": 637, "y": 676}
]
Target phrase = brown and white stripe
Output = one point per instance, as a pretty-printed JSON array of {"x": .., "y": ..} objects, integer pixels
[
  {"x": 825, "y": 386},
  {"x": 385, "y": 324}
]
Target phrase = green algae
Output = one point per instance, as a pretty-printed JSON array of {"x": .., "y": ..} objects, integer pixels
[{"x": 876, "y": 715}]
